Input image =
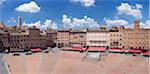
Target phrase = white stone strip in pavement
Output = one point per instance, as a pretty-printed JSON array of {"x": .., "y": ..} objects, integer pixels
[{"x": 6, "y": 65}]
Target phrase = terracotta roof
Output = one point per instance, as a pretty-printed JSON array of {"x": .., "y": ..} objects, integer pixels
[{"x": 99, "y": 30}]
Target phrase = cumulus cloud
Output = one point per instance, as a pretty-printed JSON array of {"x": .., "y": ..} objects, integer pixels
[
  {"x": 138, "y": 6},
  {"x": 11, "y": 20},
  {"x": 2, "y": 1},
  {"x": 127, "y": 9},
  {"x": 66, "y": 21},
  {"x": 37, "y": 24},
  {"x": 48, "y": 23},
  {"x": 85, "y": 3},
  {"x": 30, "y": 7},
  {"x": 85, "y": 22},
  {"x": 146, "y": 24},
  {"x": 117, "y": 22}
]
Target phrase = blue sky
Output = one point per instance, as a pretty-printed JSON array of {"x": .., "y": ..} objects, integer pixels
[{"x": 101, "y": 11}]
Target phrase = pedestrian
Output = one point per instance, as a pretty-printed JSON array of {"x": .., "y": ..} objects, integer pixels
[
  {"x": 99, "y": 58},
  {"x": 86, "y": 55},
  {"x": 107, "y": 50}
]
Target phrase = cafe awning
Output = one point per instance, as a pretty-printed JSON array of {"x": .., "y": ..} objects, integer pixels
[
  {"x": 147, "y": 53},
  {"x": 116, "y": 50},
  {"x": 101, "y": 49},
  {"x": 78, "y": 48},
  {"x": 134, "y": 51},
  {"x": 36, "y": 50}
]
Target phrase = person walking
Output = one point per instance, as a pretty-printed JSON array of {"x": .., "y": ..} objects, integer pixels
[
  {"x": 86, "y": 52},
  {"x": 99, "y": 58},
  {"x": 107, "y": 50}
]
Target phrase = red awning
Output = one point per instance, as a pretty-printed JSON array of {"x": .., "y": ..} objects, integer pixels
[
  {"x": 36, "y": 50},
  {"x": 116, "y": 49},
  {"x": 78, "y": 48},
  {"x": 134, "y": 51},
  {"x": 97, "y": 49},
  {"x": 146, "y": 53}
]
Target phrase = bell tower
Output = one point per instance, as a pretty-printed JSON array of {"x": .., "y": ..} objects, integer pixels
[
  {"x": 136, "y": 25},
  {"x": 19, "y": 23}
]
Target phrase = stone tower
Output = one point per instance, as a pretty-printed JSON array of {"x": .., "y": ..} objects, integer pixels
[
  {"x": 19, "y": 24},
  {"x": 136, "y": 25}
]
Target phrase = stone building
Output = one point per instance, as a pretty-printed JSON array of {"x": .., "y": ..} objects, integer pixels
[
  {"x": 115, "y": 37},
  {"x": 97, "y": 38},
  {"x": 63, "y": 37},
  {"x": 51, "y": 37},
  {"x": 18, "y": 41},
  {"x": 136, "y": 38},
  {"x": 18, "y": 38},
  {"x": 77, "y": 38},
  {"x": 4, "y": 40},
  {"x": 34, "y": 37}
]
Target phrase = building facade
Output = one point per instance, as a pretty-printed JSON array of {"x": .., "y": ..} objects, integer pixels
[
  {"x": 51, "y": 37},
  {"x": 34, "y": 37},
  {"x": 20, "y": 39},
  {"x": 77, "y": 38},
  {"x": 97, "y": 38},
  {"x": 136, "y": 38},
  {"x": 115, "y": 37},
  {"x": 63, "y": 37}
]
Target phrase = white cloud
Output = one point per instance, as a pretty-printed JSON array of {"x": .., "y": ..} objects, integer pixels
[
  {"x": 127, "y": 9},
  {"x": 117, "y": 22},
  {"x": 138, "y": 6},
  {"x": 30, "y": 7},
  {"x": 66, "y": 21},
  {"x": 37, "y": 24},
  {"x": 1, "y": 1},
  {"x": 146, "y": 24},
  {"x": 48, "y": 23},
  {"x": 85, "y": 22},
  {"x": 129, "y": 26},
  {"x": 11, "y": 20},
  {"x": 85, "y": 3}
]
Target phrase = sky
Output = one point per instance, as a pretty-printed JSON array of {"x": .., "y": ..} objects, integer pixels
[{"x": 75, "y": 13}]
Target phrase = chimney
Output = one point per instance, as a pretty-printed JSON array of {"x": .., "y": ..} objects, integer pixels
[{"x": 19, "y": 24}]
